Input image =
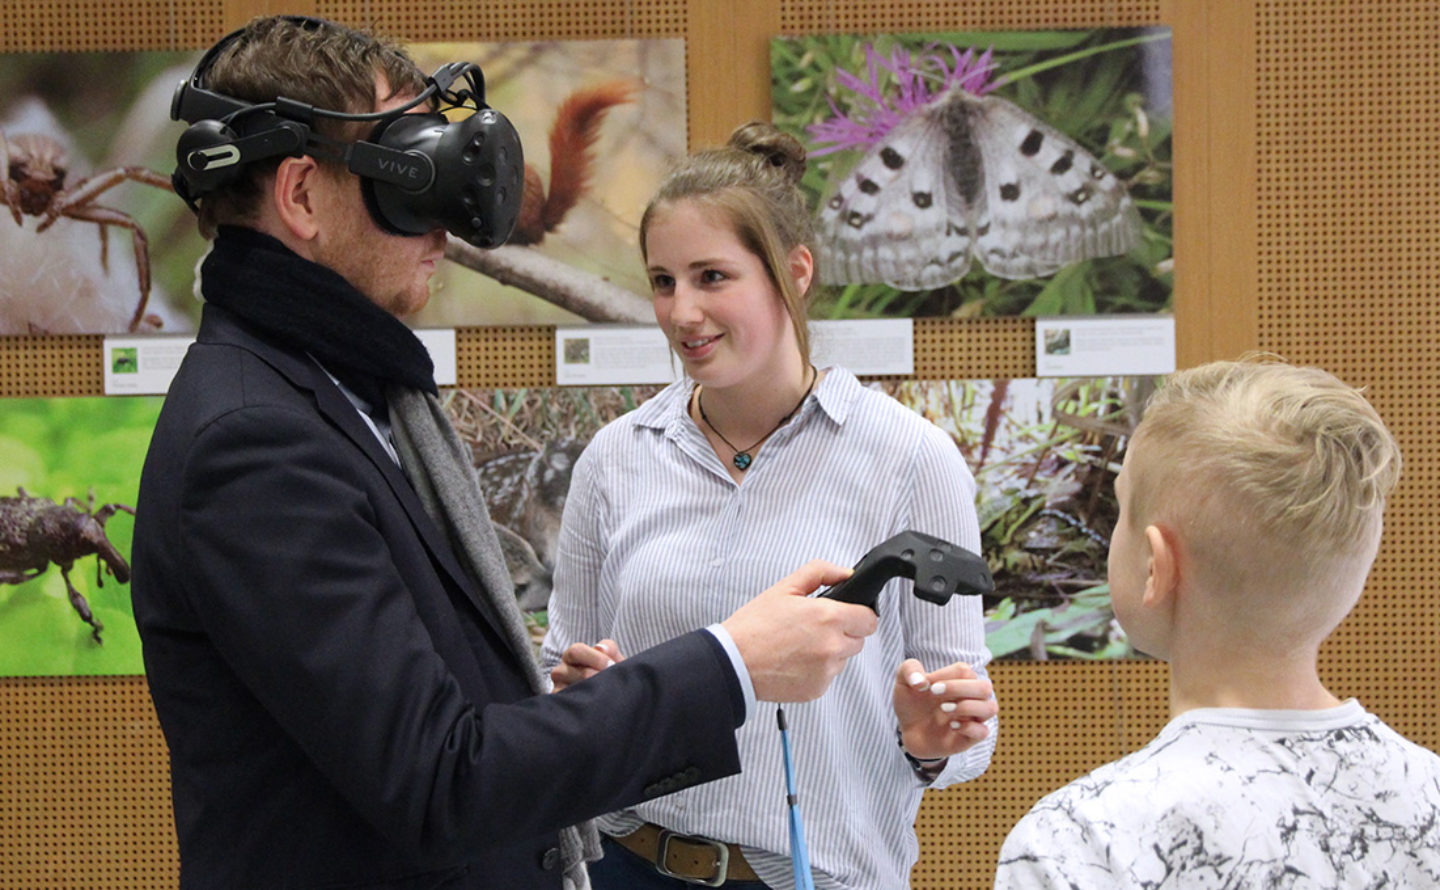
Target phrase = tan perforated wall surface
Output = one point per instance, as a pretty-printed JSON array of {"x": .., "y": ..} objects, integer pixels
[
  {"x": 1308, "y": 173},
  {"x": 1348, "y": 176}
]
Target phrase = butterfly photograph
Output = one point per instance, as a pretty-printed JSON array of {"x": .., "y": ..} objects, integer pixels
[{"x": 985, "y": 174}]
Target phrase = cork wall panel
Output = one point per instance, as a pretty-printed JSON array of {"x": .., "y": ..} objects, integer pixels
[
  {"x": 819, "y": 16},
  {"x": 68, "y": 365},
  {"x": 1330, "y": 261},
  {"x": 435, "y": 20},
  {"x": 79, "y": 25},
  {"x": 1348, "y": 173},
  {"x": 84, "y": 786},
  {"x": 1057, "y": 722},
  {"x": 506, "y": 356},
  {"x": 992, "y": 348}
]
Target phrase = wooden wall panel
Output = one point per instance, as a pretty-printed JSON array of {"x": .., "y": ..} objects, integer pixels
[
  {"x": 1308, "y": 155},
  {"x": 1348, "y": 175}
]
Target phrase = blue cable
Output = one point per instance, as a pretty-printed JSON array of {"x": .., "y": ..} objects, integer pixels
[{"x": 799, "y": 853}]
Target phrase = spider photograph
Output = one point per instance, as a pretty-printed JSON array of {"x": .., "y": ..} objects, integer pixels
[{"x": 92, "y": 239}]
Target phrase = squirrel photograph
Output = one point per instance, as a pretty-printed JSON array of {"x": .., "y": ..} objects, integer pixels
[
  {"x": 572, "y": 141},
  {"x": 600, "y": 123}
]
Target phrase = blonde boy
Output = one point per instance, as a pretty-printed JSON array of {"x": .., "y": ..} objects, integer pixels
[{"x": 1250, "y": 513}]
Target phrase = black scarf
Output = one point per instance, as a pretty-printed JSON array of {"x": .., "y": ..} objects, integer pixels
[{"x": 309, "y": 307}]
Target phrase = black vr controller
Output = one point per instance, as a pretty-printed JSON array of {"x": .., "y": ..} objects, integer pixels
[{"x": 938, "y": 568}]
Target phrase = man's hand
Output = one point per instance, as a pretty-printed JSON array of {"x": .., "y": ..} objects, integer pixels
[
  {"x": 794, "y": 645},
  {"x": 581, "y": 661},
  {"x": 943, "y": 712}
]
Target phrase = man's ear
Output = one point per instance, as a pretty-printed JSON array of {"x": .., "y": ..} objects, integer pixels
[
  {"x": 293, "y": 192},
  {"x": 1163, "y": 568},
  {"x": 802, "y": 267}
]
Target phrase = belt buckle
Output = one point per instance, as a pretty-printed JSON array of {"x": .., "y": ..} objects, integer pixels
[{"x": 722, "y": 858}]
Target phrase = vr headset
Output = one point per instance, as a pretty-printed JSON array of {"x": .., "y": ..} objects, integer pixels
[{"x": 418, "y": 172}]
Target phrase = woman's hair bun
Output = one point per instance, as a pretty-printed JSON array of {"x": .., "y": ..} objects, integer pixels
[{"x": 778, "y": 148}]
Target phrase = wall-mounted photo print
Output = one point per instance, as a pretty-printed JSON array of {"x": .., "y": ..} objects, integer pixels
[
  {"x": 1044, "y": 454},
  {"x": 69, "y": 473},
  {"x": 93, "y": 239},
  {"x": 601, "y": 122},
  {"x": 985, "y": 173}
]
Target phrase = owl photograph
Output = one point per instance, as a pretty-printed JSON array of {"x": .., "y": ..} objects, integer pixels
[
  {"x": 1043, "y": 453},
  {"x": 986, "y": 173}
]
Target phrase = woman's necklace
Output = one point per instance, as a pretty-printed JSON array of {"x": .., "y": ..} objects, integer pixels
[{"x": 743, "y": 458}]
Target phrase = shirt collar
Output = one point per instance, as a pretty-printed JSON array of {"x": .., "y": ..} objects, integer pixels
[
  {"x": 836, "y": 395},
  {"x": 377, "y": 421}
]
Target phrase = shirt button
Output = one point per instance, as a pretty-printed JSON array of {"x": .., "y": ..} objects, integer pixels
[{"x": 716, "y": 563}]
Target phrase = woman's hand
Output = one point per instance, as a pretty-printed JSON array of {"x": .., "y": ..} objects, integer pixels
[
  {"x": 581, "y": 661},
  {"x": 942, "y": 712}
]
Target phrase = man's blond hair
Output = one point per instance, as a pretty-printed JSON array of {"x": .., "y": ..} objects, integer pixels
[{"x": 1267, "y": 463}]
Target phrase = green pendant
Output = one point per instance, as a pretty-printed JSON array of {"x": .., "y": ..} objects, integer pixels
[{"x": 742, "y": 461}]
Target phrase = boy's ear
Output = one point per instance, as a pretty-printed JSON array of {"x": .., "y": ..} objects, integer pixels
[{"x": 1163, "y": 569}]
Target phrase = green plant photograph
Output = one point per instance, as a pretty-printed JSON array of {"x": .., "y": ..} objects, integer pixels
[
  {"x": 892, "y": 122},
  {"x": 1044, "y": 453},
  {"x": 55, "y": 456}
]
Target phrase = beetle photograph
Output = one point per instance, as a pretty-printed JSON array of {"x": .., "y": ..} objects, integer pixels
[{"x": 35, "y": 532}]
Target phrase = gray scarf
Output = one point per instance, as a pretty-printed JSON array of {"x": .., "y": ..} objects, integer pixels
[{"x": 439, "y": 467}]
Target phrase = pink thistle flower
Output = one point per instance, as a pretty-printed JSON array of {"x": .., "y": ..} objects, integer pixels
[{"x": 873, "y": 114}]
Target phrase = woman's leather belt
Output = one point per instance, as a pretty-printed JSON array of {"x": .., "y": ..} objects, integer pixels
[{"x": 697, "y": 860}]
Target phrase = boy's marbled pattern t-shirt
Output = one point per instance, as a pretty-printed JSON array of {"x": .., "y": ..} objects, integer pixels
[{"x": 1232, "y": 798}]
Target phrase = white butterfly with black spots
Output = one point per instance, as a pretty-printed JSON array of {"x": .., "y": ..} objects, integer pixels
[{"x": 971, "y": 177}]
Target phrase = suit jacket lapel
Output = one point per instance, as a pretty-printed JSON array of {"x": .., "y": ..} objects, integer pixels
[{"x": 304, "y": 373}]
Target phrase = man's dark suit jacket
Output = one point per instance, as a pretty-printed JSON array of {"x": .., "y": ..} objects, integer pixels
[{"x": 339, "y": 708}]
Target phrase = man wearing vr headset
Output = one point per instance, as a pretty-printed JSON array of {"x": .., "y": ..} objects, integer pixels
[{"x": 330, "y": 636}]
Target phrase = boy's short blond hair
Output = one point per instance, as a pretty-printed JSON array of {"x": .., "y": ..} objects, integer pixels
[{"x": 1259, "y": 457}]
